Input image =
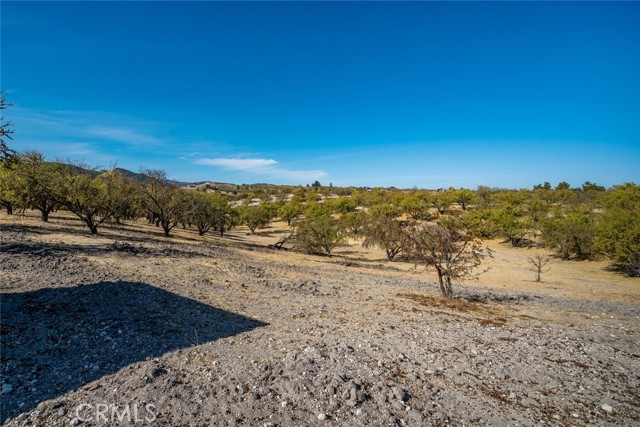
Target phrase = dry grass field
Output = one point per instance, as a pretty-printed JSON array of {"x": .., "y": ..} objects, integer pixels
[{"x": 228, "y": 331}]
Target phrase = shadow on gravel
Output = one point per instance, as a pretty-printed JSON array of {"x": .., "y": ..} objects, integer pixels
[
  {"x": 57, "y": 340},
  {"x": 44, "y": 250}
]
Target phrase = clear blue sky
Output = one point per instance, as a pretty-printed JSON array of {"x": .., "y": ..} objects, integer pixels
[{"x": 379, "y": 94}]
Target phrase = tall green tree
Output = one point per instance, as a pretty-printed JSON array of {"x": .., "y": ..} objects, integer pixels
[
  {"x": 618, "y": 229},
  {"x": 571, "y": 235},
  {"x": 319, "y": 233},
  {"x": 37, "y": 178}
]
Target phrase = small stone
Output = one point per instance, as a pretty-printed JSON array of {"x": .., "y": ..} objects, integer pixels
[
  {"x": 416, "y": 415},
  {"x": 284, "y": 403},
  {"x": 322, "y": 416},
  {"x": 607, "y": 408}
]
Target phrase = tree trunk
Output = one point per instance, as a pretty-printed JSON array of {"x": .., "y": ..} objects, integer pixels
[
  {"x": 9, "y": 206},
  {"x": 441, "y": 282},
  {"x": 92, "y": 226},
  {"x": 444, "y": 280}
]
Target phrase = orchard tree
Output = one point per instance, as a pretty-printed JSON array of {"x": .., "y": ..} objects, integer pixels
[
  {"x": 93, "y": 200},
  {"x": 255, "y": 217},
  {"x": 199, "y": 211},
  {"x": 352, "y": 222},
  {"x": 442, "y": 200},
  {"x": 37, "y": 178},
  {"x": 511, "y": 223},
  {"x": 618, "y": 230},
  {"x": 451, "y": 247},
  {"x": 415, "y": 206},
  {"x": 342, "y": 205},
  {"x": 318, "y": 233},
  {"x": 226, "y": 217},
  {"x": 387, "y": 233},
  {"x": 385, "y": 209},
  {"x": 463, "y": 197},
  {"x": 10, "y": 187},
  {"x": 482, "y": 221},
  {"x": 290, "y": 212},
  {"x": 162, "y": 199},
  {"x": 571, "y": 235}
]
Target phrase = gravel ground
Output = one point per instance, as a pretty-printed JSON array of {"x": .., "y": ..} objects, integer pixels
[{"x": 162, "y": 332}]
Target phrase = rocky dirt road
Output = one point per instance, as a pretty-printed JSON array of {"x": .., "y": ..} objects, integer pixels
[{"x": 193, "y": 333}]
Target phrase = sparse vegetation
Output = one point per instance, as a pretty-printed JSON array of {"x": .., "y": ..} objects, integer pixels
[{"x": 538, "y": 264}]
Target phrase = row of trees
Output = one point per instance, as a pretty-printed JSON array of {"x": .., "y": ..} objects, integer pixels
[
  {"x": 589, "y": 223},
  {"x": 578, "y": 224}
]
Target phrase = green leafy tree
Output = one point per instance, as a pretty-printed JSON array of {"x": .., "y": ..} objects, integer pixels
[
  {"x": 10, "y": 187},
  {"x": 226, "y": 216},
  {"x": 571, "y": 235},
  {"x": 511, "y": 223},
  {"x": 415, "y": 207},
  {"x": 290, "y": 212},
  {"x": 442, "y": 201},
  {"x": 464, "y": 197},
  {"x": 352, "y": 222},
  {"x": 482, "y": 221},
  {"x": 484, "y": 197},
  {"x": 255, "y": 217},
  {"x": 342, "y": 205},
  {"x": 618, "y": 230},
  {"x": 387, "y": 233},
  {"x": 199, "y": 211},
  {"x": 318, "y": 233},
  {"x": 162, "y": 199},
  {"x": 385, "y": 209},
  {"x": 93, "y": 200},
  {"x": 37, "y": 178}
]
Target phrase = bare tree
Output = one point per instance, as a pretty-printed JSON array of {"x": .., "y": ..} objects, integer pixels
[
  {"x": 452, "y": 248},
  {"x": 537, "y": 265},
  {"x": 6, "y": 130}
]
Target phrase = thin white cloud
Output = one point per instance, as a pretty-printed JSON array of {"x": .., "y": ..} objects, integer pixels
[
  {"x": 255, "y": 165},
  {"x": 84, "y": 126},
  {"x": 264, "y": 167},
  {"x": 125, "y": 135}
]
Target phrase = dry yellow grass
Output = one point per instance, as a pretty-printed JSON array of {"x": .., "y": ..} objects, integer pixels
[{"x": 509, "y": 267}]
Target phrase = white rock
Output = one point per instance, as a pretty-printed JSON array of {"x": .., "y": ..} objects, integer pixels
[
  {"x": 607, "y": 408},
  {"x": 322, "y": 416},
  {"x": 284, "y": 403}
]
